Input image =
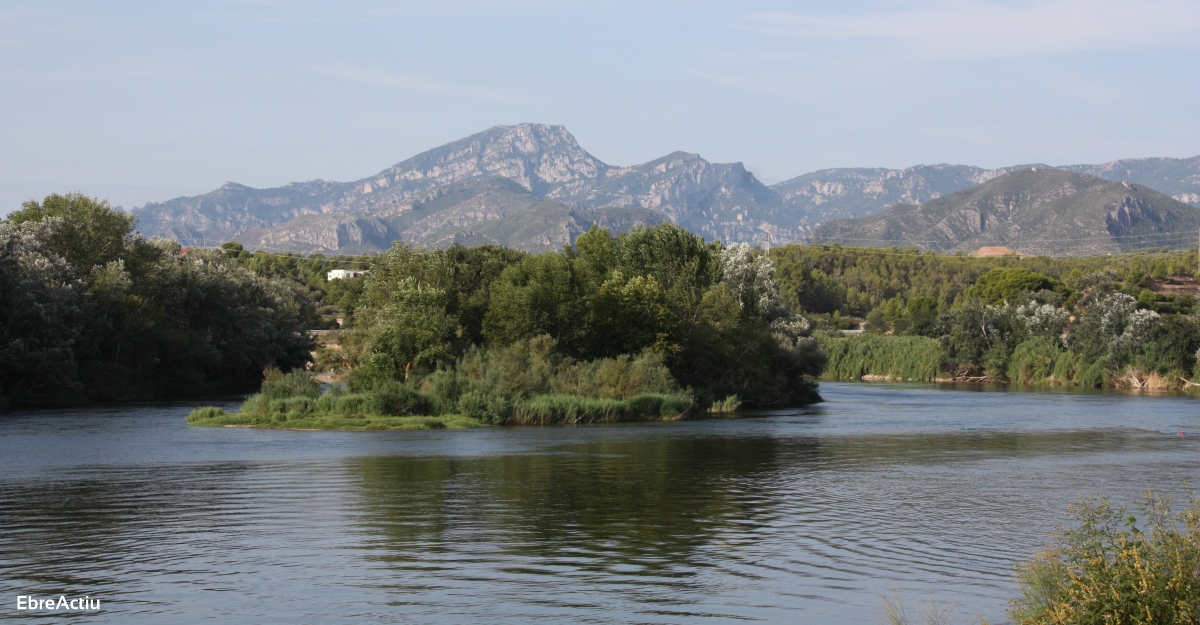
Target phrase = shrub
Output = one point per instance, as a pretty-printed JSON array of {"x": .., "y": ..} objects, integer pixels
[
  {"x": 398, "y": 400},
  {"x": 1110, "y": 569},
  {"x": 616, "y": 378},
  {"x": 487, "y": 405},
  {"x": 1033, "y": 360},
  {"x": 298, "y": 383},
  {"x": 444, "y": 387},
  {"x": 1066, "y": 366},
  {"x": 574, "y": 409},
  {"x": 1094, "y": 375}
]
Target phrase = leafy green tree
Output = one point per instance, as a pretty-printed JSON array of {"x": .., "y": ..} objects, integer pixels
[
  {"x": 119, "y": 317},
  {"x": 1007, "y": 284},
  {"x": 91, "y": 233},
  {"x": 41, "y": 309},
  {"x": 541, "y": 295}
]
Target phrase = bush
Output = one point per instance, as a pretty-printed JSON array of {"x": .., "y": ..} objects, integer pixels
[
  {"x": 1110, "y": 569},
  {"x": 298, "y": 383},
  {"x": 397, "y": 400},
  {"x": 616, "y": 378},
  {"x": 1094, "y": 375},
  {"x": 1033, "y": 360},
  {"x": 443, "y": 388},
  {"x": 488, "y": 406}
]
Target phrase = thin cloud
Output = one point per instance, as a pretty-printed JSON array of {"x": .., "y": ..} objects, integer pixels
[
  {"x": 974, "y": 29},
  {"x": 411, "y": 82}
]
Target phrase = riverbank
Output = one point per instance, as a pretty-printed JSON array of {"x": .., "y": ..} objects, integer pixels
[{"x": 1034, "y": 362}]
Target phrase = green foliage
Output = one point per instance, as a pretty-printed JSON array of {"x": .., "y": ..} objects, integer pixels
[
  {"x": 868, "y": 277},
  {"x": 1034, "y": 361},
  {"x": 487, "y": 405},
  {"x": 713, "y": 317},
  {"x": 298, "y": 383},
  {"x": 911, "y": 358},
  {"x": 334, "y": 298},
  {"x": 622, "y": 377},
  {"x": 331, "y": 411},
  {"x": 577, "y": 409},
  {"x": 93, "y": 312},
  {"x": 524, "y": 383},
  {"x": 1111, "y": 567},
  {"x": 1006, "y": 284},
  {"x": 730, "y": 404},
  {"x": 89, "y": 232}
]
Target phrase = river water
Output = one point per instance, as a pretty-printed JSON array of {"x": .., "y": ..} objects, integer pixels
[{"x": 797, "y": 516}]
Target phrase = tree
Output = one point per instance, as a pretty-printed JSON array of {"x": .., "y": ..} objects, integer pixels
[
  {"x": 90, "y": 232},
  {"x": 1007, "y": 284}
]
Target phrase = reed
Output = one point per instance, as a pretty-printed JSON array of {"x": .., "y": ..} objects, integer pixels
[
  {"x": 900, "y": 358},
  {"x": 576, "y": 409}
]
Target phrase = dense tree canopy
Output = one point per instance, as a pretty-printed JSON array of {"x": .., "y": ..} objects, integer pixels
[
  {"x": 714, "y": 316},
  {"x": 90, "y": 310}
]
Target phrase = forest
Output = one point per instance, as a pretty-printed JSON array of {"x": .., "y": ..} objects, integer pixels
[
  {"x": 1121, "y": 320},
  {"x": 90, "y": 311}
]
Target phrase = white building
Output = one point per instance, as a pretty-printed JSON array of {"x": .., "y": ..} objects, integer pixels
[{"x": 343, "y": 274}]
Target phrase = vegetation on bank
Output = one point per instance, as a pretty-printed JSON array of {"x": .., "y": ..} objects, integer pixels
[
  {"x": 1108, "y": 567},
  {"x": 1122, "y": 321},
  {"x": 1114, "y": 567},
  {"x": 89, "y": 310},
  {"x": 652, "y": 324}
]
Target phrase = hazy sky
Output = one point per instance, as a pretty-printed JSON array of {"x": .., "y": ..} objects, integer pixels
[{"x": 147, "y": 101}]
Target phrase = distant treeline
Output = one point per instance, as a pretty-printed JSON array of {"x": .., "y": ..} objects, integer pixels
[
  {"x": 1122, "y": 320},
  {"x": 91, "y": 311}
]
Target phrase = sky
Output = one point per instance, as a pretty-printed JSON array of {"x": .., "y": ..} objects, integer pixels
[{"x": 146, "y": 101}]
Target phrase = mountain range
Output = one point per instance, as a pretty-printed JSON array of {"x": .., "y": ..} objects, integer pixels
[
  {"x": 1037, "y": 210},
  {"x": 532, "y": 187}
]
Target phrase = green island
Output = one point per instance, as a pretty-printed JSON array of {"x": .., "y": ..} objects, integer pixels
[{"x": 653, "y": 324}]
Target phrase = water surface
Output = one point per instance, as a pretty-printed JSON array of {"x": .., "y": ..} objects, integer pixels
[{"x": 798, "y": 516}]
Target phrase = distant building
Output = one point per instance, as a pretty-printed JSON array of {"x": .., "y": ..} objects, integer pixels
[{"x": 343, "y": 274}]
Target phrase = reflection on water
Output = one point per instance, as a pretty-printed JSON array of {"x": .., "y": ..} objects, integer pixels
[{"x": 801, "y": 516}]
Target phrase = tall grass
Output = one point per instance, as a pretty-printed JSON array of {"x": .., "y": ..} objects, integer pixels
[
  {"x": 909, "y": 358},
  {"x": 573, "y": 409}
]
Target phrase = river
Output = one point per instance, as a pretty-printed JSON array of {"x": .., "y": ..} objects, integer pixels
[{"x": 794, "y": 516}]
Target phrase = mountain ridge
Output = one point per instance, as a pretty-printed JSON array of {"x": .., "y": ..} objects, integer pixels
[
  {"x": 442, "y": 194},
  {"x": 1037, "y": 211}
]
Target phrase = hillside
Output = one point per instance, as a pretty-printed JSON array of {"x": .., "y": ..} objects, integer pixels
[
  {"x": 1176, "y": 177},
  {"x": 849, "y": 193},
  {"x": 1034, "y": 211}
]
